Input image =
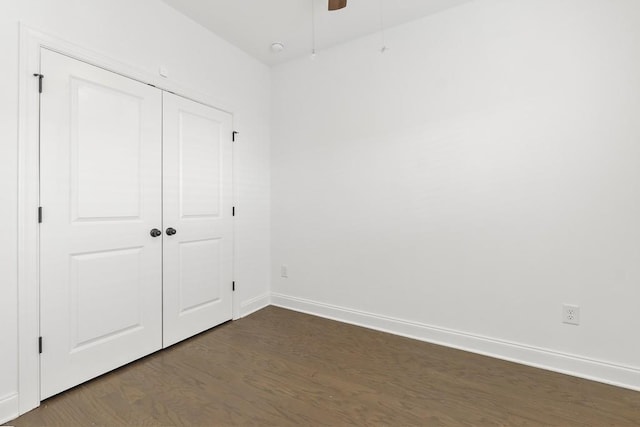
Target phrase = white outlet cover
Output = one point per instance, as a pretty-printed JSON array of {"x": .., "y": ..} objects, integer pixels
[
  {"x": 284, "y": 271},
  {"x": 571, "y": 314}
]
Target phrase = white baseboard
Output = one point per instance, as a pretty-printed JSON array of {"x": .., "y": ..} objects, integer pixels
[
  {"x": 8, "y": 408},
  {"x": 596, "y": 370},
  {"x": 254, "y": 304}
]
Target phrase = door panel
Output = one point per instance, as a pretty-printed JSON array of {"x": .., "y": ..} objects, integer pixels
[
  {"x": 105, "y": 150},
  {"x": 197, "y": 202},
  {"x": 198, "y": 260},
  {"x": 101, "y": 195},
  {"x": 97, "y": 277},
  {"x": 200, "y": 167}
]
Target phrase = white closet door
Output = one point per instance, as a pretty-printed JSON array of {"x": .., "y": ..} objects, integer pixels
[
  {"x": 197, "y": 159},
  {"x": 101, "y": 195}
]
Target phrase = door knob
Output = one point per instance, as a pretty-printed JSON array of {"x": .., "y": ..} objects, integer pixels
[
  {"x": 171, "y": 231},
  {"x": 155, "y": 232}
]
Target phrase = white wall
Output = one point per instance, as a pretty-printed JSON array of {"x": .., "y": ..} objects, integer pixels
[
  {"x": 143, "y": 34},
  {"x": 464, "y": 185}
]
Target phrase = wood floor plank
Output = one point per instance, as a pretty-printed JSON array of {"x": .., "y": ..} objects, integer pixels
[{"x": 282, "y": 368}]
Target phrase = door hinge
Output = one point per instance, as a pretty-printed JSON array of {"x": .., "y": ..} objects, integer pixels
[
  {"x": 233, "y": 286},
  {"x": 40, "y": 77},
  {"x": 233, "y": 136},
  {"x": 39, "y": 214},
  {"x": 40, "y": 345},
  {"x": 233, "y": 211}
]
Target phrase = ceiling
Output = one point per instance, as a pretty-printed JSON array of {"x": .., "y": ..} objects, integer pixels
[{"x": 253, "y": 25}]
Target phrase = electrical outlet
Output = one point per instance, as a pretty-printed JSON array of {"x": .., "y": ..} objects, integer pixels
[
  {"x": 284, "y": 271},
  {"x": 571, "y": 314}
]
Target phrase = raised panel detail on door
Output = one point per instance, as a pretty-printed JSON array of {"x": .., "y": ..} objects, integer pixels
[
  {"x": 97, "y": 277},
  {"x": 200, "y": 166},
  {"x": 198, "y": 260},
  {"x": 101, "y": 182},
  {"x": 105, "y": 152},
  {"x": 197, "y": 200}
]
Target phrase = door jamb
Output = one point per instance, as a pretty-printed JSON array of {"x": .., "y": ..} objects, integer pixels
[{"x": 31, "y": 43}]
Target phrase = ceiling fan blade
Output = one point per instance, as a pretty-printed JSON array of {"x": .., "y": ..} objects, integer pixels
[{"x": 337, "y": 4}]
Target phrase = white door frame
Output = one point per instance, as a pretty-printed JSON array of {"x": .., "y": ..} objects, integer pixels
[{"x": 31, "y": 43}]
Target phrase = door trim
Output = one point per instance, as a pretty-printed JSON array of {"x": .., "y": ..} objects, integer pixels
[{"x": 31, "y": 43}]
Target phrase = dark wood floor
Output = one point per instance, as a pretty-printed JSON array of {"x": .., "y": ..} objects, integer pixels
[{"x": 278, "y": 367}]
